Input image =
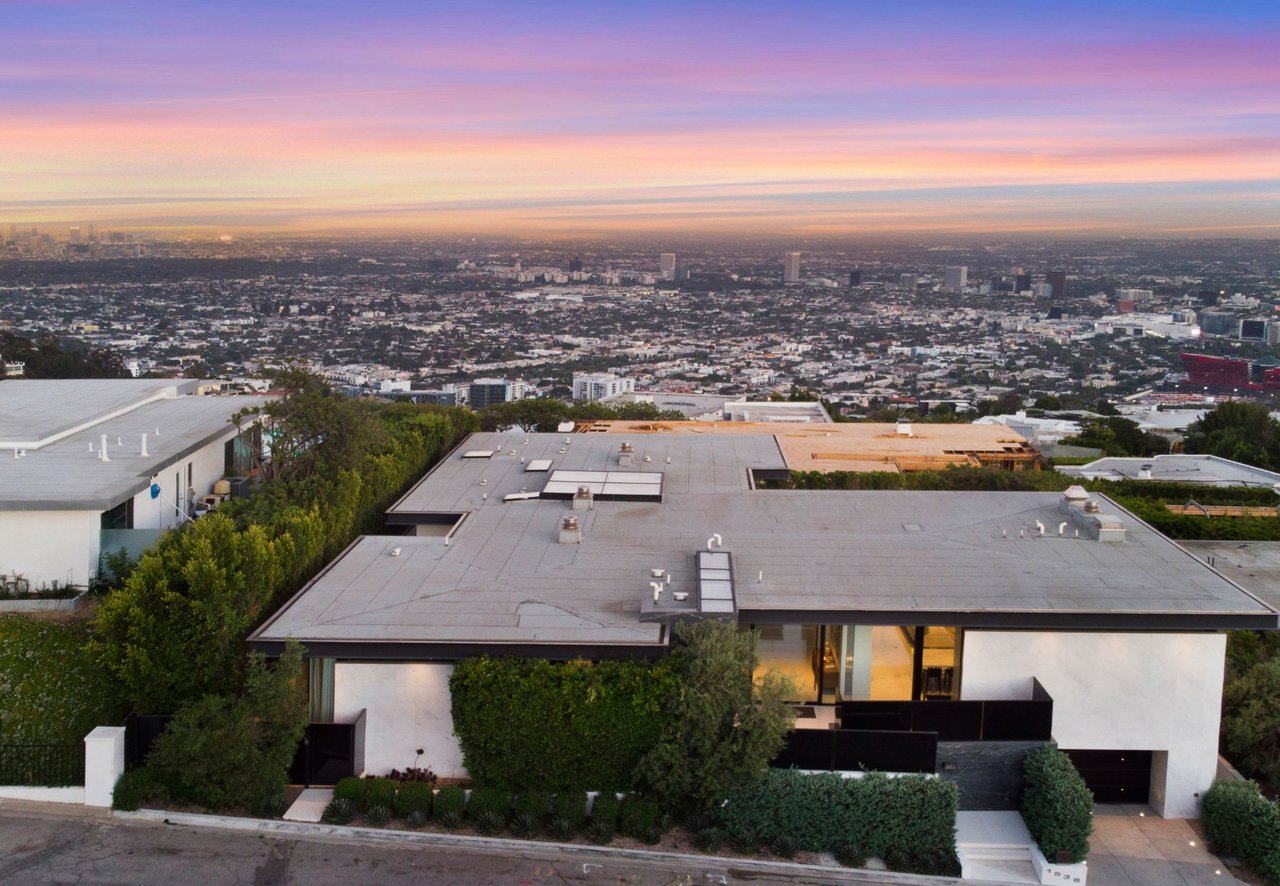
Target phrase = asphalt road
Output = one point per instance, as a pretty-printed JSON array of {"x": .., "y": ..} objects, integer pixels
[{"x": 40, "y": 849}]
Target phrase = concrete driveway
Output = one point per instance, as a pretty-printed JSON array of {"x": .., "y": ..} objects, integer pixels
[{"x": 1130, "y": 846}]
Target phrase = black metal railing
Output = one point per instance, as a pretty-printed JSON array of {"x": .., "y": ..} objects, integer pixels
[
  {"x": 42, "y": 765},
  {"x": 1004, "y": 720}
]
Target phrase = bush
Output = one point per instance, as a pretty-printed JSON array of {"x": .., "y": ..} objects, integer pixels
[
  {"x": 562, "y": 829},
  {"x": 743, "y": 840},
  {"x": 413, "y": 796},
  {"x": 600, "y": 832},
  {"x": 380, "y": 792},
  {"x": 1251, "y": 721},
  {"x": 571, "y": 806},
  {"x": 339, "y": 811},
  {"x": 489, "y": 800},
  {"x": 237, "y": 750},
  {"x": 449, "y": 799},
  {"x": 605, "y": 809},
  {"x": 1056, "y": 804},
  {"x": 639, "y": 816},
  {"x": 377, "y": 814},
  {"x": 784, "y": 846},
  {"x": 141, "y": 785},
  {"x": 1240, "y": 822},
  {"x": 416, "y": 819},
  {"x": 708, "y": 839},
  {"x": 525, "y": 824},
  {"x": 450, "y": 819},
  {"x": 937, "y": 864},
  {"x": 353, "y": 789},
  {"x": 850, "y": 855},
  {"x": 548, "y": 726},
  {"x": 533, "y": 803},
  {"x": 276, "y": 807},
  {"x": 915, "y": 814}
]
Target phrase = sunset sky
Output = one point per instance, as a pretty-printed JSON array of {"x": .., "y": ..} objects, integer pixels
[{"x": 577, "y": 118}]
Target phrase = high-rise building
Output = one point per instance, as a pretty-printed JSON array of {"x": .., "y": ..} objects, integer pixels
[
  {"x": 955, "y": 278},
  {"x": 855, "y": 277},
  {"x": 1058, "y": 280},
  {"x": 1042, "y": 290},
  {"x": 667, "y": 265},
  {"x": 791, "y": 268},
  {"x": 73, "y": 236},
  {"x": 1137, "y": 296},
  {"x": 575, "y": 265},
  {"x": 1021, "y": 282},
  {"x": 486, "y": 391},
  {"x": 907, "y": 282},
  {"x": 600, "y": 385}
]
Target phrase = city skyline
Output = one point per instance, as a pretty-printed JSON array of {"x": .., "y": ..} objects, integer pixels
[{"x": 1140, "y": 119}]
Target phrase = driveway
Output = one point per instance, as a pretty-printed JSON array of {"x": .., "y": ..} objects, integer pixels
[{"x": 1130, "y": 846}]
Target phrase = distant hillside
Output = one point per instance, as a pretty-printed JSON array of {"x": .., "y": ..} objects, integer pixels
[{"x": 47, "y": 357}]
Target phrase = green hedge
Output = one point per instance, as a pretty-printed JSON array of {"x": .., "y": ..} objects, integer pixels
[
  {"x": 911, "y": 816},
  {"x": 413, "y": 796},
  {"x": 353, "y": 789},
  {"x": 639, "y": 816},
  {"x": 1056, "y": 804},
  {"x": 489, "y": 800},
  {"x": 1239, "y": 821},
  {"x": 449, "y": 798},
  {"x": 537, "y": 725},
  {"x": 380, "y": 792},
  {"x": 571, "y": 806},
  {"x": 605, "y": 808},
  {"x": 533, "y": 803}
]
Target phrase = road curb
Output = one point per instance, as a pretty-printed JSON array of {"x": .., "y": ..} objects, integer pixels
[{"x": 530, "y": 849}]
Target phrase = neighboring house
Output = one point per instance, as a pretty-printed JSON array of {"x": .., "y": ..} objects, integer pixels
[
  {"x": 1020, "y": 616},
  {"x": 94, "y": 465},
  {"x": 1203, "y": 470}
]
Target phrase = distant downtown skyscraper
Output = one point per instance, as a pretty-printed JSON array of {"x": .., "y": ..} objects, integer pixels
[
  {"x": 791, "y": 268},
  {"x": 956, "y": 277},
  {"x": 667, "y": 265},
  {"x": 1058, "y": 280}
]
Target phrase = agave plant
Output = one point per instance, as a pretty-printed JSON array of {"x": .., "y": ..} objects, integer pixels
[
  {"x": 489, "y": 821},
  {"x": 562, "y": 829},
  {"x": 450, "y": 819},
  {"x": 652, "y": 834},
  {"x": 743, "y": 840},
  {"x": 339, "y": 811},
  {"x": 600, "y": 832},
  {"x": 708, "y": 839},
  {"x": 850, "y": 855},
  {"x": 276, "y": 807},
  {"x": 377, "y": 815},
  {"x": 416, "y": 819},
  {"x": 525, "y": 824},
  {"x": 784, "y": 846}
]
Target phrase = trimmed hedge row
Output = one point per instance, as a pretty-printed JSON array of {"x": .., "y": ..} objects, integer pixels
[
  {"x": 910, "y": 819},
  {"x": 1056, "y": 804},
  {"x": 1240, "y": 822},
  {"x": 544, "y": 726}
]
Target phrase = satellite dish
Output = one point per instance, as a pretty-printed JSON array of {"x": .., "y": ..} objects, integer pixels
[{"x": 155, "y": 490}]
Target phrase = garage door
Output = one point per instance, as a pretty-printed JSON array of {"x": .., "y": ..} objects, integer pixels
[{"x": 1114, "y": 776}]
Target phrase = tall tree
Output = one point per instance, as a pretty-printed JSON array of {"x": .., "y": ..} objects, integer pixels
[{"x": 1243, "y": 432}]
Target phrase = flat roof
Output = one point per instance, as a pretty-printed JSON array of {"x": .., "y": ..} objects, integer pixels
[
  {"x": 1206, "y": 470},
  {"x": 858, "y": 446},
  {"x": 503, "y": 577},
  {"x": 34, "y": 410},
  {"x": 67, "y": 474}
]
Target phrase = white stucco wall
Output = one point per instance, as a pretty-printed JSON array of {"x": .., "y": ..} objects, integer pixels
[
  {"x": 207, "y": 465},
  {"x": 407, "y": 706},
  {"x": 1116, "y": 691},
  {"x": 50, "y": 545}
]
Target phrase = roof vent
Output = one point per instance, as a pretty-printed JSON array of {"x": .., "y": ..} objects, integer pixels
[
  {"x": 626, "y": 453},
  {"x": 570, "y": 531},
  {"x": 1144, "y": 472},
  {"x": 1091, "y": 506},
  {"x": 904, "y": 429},
  {"x": 102, "y": 454},
  {"x": 583, "y": 499}
]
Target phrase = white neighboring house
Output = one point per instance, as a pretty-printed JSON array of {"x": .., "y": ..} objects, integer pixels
[
  {"x": 600, "y": 385},
  {"x": 970, "y": 625},
  {"x": 94, "y": 465}
]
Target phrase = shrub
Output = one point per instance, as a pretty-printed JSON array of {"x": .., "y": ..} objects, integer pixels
[
  {"x": 450, "y": 819},
  {"x": 708, "y": 839},
  {"x": 784, "y": 846},
  {"x": 605, "y": 809},
  {"x": 339, "y": 811},
  {"x": 1056, "y": 804},
  {"x": 353, "y": 789},
  {"x": 1251, "y": 721},
  {"x": 416, "y": 819},
  {"x": 413, "y": 796},
  {"x": 743, "y": 840},
  {"x": 571, "y": 806},
  {"x": 562, "y": 829},
  {"x": 600, "y": 831},
  {"x": 534, "y": 804},
  {"x": 638, "y": 816},
  {"x": 380, "y": 792},
  {"x": 525, "y": 824},
  {"x": 449, "y": 799},
  {"x": 486, "y": 800},
  {"x": 912, "y": 813},
  {"x": 377, "y": 814},
  {"x": 276, "y": 807},
  {"x": 236, "y": 750},
  {"x": 548, "y": 726},
  {"x": 141, "y": 785},
  {"x": 1239, "y": 821},
  {"x": 850, "y": 854}
]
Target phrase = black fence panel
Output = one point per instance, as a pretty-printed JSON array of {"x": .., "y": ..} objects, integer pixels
[
  {"x": 1017, "y": 720},
  {"x": 952, "y": 720},
  {"x": 326, "y": 755},
  {"x": 42, "y": 765},
  {"x": 880, "y": 751},
  {"x": 140, "y": 733},
  {"x": 1014, "y": 720},
  {"x": 806, "y": 749}
]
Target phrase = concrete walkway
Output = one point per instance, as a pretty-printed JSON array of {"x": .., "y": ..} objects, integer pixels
[{"x": 1131, "y": 846}]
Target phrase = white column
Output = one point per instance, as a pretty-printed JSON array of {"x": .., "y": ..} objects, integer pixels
[{"x": 103, "y": 764}]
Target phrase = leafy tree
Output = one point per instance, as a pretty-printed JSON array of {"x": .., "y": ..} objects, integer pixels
[
  {"x": 723, "y": 726},
  {"x": 1119, "y": 437},
  {"x": 1243, "y": 432},
  {"x": 235, "y": 750},
  {"x": 1251, "y": 721}
]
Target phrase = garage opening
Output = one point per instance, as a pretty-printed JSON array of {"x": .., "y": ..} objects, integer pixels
[{"x": 1114, "y": 776}]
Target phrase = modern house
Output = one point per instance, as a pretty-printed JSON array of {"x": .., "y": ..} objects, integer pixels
[
  {"x": 94, "y": 465},
  {"x": 934, "y": 631}
]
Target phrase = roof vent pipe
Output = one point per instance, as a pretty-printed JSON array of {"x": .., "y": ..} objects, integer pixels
[
  {"x": 583, "y": 499},
  {"x": 715, "y": 541},
  {"x": 1062, "y": 527},
  {"x": 1039, "y": 528},
  {"x": 625, "y": 454},
  {"x": 657, "y": 590},
  {"x": 102, "y": 454},
  {"x": 144, "y": 452},
  {"x": 570, "y": 531},
  {"x": 1091, "y": 506}
]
